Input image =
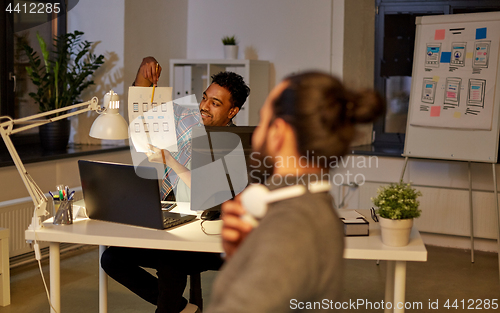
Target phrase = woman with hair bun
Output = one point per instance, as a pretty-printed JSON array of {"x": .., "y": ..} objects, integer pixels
[{"x": 291, "y": 260}]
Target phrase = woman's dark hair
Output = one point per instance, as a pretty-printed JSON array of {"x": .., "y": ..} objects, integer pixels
[
  {"x": 323, "y": 113},
  {"x": 236, "y": 86}
]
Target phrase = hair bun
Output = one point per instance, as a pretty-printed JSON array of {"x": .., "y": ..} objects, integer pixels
[
  {"x": 323, "y": 113},
  {"x": 368, "y": 106}
]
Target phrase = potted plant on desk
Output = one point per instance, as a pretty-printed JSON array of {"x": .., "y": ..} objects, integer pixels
[
  {"x": 230, "y": 47},
  {"x": 397, "y": 207},
  {"x": 66, "y": 71}
]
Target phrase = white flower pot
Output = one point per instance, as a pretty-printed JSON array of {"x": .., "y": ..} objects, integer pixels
[
  {"x": 230, "y": 52},
  {"x": 395, "y": 233}
]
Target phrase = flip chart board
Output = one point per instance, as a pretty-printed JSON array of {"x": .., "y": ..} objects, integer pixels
[{"x": 455, "y": 95}]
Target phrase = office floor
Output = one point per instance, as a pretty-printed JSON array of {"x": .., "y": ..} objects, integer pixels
[{"x": 448, "y": 274}]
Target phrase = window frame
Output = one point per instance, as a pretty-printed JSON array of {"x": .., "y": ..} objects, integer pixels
[{"x": 6, "y": 66}]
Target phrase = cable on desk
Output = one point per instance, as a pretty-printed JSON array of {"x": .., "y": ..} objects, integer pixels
[{"x": 205, "y": 232}]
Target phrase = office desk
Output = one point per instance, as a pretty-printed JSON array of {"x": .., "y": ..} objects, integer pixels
[
  {"x": 372, "y": 248},
  {"x": 189, "y": 237}
]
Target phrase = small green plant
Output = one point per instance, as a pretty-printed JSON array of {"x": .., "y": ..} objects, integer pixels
[
  {"x": 397, "y": 201},
  {"x": 229, "y": 41},
  {"x": 65, "y": 72}
]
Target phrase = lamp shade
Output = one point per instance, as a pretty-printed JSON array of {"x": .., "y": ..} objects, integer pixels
[{"x": 110, "y": 124}]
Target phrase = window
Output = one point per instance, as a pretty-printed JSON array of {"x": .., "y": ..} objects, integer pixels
[
  {"x": 15, "y": 28},
  {"x": 394, "y": 44}
]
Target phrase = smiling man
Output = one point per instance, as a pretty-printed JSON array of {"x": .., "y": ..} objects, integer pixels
[{"x": 221, "y": 101}]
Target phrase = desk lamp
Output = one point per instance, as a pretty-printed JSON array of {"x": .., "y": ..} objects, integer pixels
[{"x": 108, "y": 125}]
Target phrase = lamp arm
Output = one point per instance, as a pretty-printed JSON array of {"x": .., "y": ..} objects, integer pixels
[
  {"x": 35, "y": 121},
  {"x": 7, "y": 129},
  {"x": 36, "y": 194}
]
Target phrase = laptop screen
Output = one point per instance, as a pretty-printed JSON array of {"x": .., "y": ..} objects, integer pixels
[{"x": 115, "y": 193}]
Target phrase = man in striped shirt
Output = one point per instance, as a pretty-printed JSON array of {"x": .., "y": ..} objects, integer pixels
[{"x": 221, "y": 101}]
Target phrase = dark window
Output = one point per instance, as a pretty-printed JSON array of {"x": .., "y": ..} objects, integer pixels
[{"x": 16, "y": 28}]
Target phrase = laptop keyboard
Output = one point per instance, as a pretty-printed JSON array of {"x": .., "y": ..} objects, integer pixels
[
  {"x": 169, "y": 222},
  {"x": 167, "y": 205}
]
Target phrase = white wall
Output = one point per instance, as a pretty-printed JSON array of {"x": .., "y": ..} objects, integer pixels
[
  {"x": 103, "y": 23},
  {"x": 154, "y": 28},
  {"x": 335, "y": 36},
  {"x": 293, "y": 35},
  {"x": 337, "y": 40}
]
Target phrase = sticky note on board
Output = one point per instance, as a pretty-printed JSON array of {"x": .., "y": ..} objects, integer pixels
[
  {"x": 481, "y": 33},
  {"x": 457, "y": 114},
  {"x": 469, "y": 55},
  {"x": 435, "y": 111},
  {"x": 445, "y": 57},
  {"x": 435, "y": 78},
  {"x": 439, "y": 34}
]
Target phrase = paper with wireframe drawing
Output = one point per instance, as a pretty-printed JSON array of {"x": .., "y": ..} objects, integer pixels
[{"x": 152, "y": 122}]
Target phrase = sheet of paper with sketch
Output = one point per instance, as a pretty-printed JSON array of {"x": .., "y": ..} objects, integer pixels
[{"x": 152, "y": 122}]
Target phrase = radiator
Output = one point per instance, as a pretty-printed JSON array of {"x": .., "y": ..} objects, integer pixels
[{"x": 16, "y": 216}]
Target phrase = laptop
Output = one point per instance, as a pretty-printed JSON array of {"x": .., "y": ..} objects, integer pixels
[{"x": 115, "y": 193}]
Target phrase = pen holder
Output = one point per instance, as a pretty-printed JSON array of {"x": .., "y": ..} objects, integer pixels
[{"x": 63, "y": 212}]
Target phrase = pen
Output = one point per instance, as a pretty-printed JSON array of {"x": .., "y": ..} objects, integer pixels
[
  {"x": 61, "y": 197},
  {"x": 71, "y": 195},
  {"x": 153, "y": 95}
]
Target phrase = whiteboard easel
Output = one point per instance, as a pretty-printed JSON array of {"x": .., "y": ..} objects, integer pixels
[{"x": 454, "y": 111}]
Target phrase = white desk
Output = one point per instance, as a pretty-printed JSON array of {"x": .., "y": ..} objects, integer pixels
[
  {"x": 372, "y": 248},
  {"x": 190, "y": 238},
  {"x": 187, "y": 237}
]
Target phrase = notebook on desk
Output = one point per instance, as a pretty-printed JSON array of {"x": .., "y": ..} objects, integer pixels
[
  {"x": 115, "y": 193},
  {"x": 355, "y": 224}
]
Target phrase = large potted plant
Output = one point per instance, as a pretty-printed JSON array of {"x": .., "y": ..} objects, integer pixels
[
  {"x": 397, "y": 207},
  {"x": 65, "y": 72}
]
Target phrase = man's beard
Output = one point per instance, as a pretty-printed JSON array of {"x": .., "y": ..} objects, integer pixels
[{"x": 261, "y": 165}]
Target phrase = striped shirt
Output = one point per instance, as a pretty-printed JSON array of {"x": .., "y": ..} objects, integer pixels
[{"x": 185, "y": 119}]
